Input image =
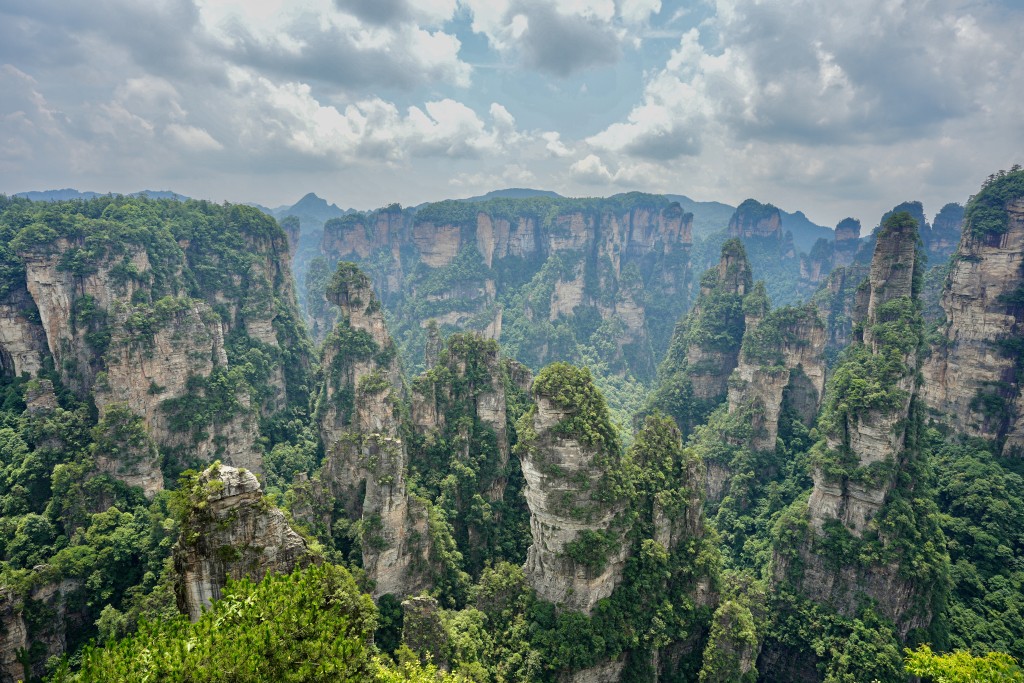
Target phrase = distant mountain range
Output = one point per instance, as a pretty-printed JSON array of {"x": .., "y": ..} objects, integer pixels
[
  {"x": 313, "y": 211},
  {"x": 69, "y": 193}
]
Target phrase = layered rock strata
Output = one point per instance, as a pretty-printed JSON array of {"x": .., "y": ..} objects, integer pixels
[
  {"x": 448, "y": 263},
  {"x": 972, "y": 376}
]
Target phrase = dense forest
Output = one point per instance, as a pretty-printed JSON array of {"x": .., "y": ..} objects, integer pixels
[{"x": 515, "y": 440}]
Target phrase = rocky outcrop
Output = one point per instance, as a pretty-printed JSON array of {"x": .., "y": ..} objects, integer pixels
[
  {"x": 578, "y": 551},
  {"x": 231, "y": 531},
  {"x": 73, "y": 307},
  {"x": 27, "y": 642},
  {"x": 754, "y": 219},
  {"x": 22, "y": 337},
  {"x": 292, "y": 226},
  {"x": 972, "y": 376},
  {"x": 836, "y": 301},
  {"x": 869, "y": 438},
  {"x": 705, "y": 346},
  {"x": 782, "y": 357},
  {"x": 469, "y": 383},
  {"x": 366, "y": 460},
  {"x": 945, "y": 234},
  {"x": 940, "y": 239}
]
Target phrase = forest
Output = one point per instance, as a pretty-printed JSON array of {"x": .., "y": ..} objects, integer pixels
[{"x": 519, "y": 440}]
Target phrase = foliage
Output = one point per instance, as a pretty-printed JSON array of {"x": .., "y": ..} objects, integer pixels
[
  {"x": 312, "y": 625},
  {"x": 986, "y": 213},
  {"x": 962, "y": 667}
]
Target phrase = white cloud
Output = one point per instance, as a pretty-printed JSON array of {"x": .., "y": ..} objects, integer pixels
[
  {"x": 638, "y": 11},
  {"x": 555, "y": 145},
  {"x": 193, "y": 138},
  {"x": 559, "y": 37},
  {"x": 344, "y": 43},
  {"x": 371, "y": 130},
  {"x": 590, "y": 170}
]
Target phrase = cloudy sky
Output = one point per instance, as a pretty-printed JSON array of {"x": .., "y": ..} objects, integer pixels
[{"x": 842, "y": 107}]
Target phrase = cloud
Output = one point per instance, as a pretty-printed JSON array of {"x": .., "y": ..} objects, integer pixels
[
  {"x": 323, "y": 44},
  {"x": 797, "y": 71},
  {"x": 369, "y": 131},
  {"x": 559, "y": 37},
  {"x": 193, "y": 138},
  {"x": 590, "y": 170},
  {"x": 383, "y": 12}
]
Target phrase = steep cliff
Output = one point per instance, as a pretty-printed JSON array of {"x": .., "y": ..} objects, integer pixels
[
  {"x": 575, "y": 488},
  {"x": 754, "y": 219},
  {"x": 22, "y": 337},
  {"x": 182, "y": 311},
  {"x": 829, "y": 254},
  {"x": 865, "y": 470},
  {"x": 550, "y": 277},
  {"x": 706, "y": 343},
  {"x": 782, "y": 357},
  {"x": 230, "y": 531},
  {"x": 363, "y": 477},
  {"x": 945, "y": 233},
  {"x": 462, "y": 418},
  {"x": 973, "y": 374}
]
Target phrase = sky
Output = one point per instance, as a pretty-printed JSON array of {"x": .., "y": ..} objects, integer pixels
[{"x": 835, "y": 108}]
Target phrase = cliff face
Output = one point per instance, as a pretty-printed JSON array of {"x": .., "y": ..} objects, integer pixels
[
  {"x": 871, "y": 435},
  {"x": 22, "y": 337},
  {"x": 578, "y": 551},
  {"x": 972, "y": 376},
  {"x": 828, "y": 255},
  {"x": 21, "y": 628},
  {"x": 945, "y": 233},
  {"x": 940, "y": 239},
  {"x": 460, "y": 415},
  {"x": 782, "y": 357},
  {"x": 705, "y": 346},
  {"x": 366, "y": 460},
  {"x": 754, "y": 219},
  {"x": 564, "y": 264},
  {"x": 156, "y": 317},
  {"x": 153, "y": 366},
  {"x": 231, "y": 532}
]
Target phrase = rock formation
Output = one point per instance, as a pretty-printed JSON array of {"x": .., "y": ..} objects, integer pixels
[
  {"x": 157, "y": 358},
  {"x": 972, "y": 376},
  {"x": 782, "y": 357},
  {"x": 231, "y": 532},
  {"x": 27, "y": 639},
  {"x": 754, "y": 219},
  {"x": 945, "y": 233},
  {"x": 114, "y": 316},
  {"x": 366, "y": 460},
  {"x": 459, "y": 412},
  {"x": 706, "y": 343},
  {"x": 871, "y": 436},
  {"x": 570, "y": 259},
  {"x": 570, "y": 458},
  {"x": 22, "y": 338}
]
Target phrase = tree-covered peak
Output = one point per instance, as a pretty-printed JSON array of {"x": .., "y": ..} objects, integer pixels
[
  {"x": 573, "y": 390},
  {"x": 349, "y": 286},
  {"x": 986, "y": 211}
]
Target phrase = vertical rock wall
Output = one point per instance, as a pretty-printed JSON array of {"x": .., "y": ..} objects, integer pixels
[{"x": 971, "y": 377}]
